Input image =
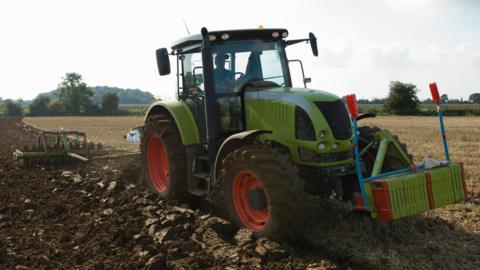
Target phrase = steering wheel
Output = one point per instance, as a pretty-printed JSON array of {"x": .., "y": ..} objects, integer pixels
[
  {"x": 239, "y": 73},
  {"x": 243, "y": 81}
]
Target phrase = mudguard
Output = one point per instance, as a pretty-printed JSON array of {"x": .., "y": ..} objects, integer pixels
[
  {"x": 233, "y": 142},
  {"x": 183, "y": 118}
]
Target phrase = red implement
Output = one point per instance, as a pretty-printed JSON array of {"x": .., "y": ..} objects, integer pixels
[{"x": 352, "y": 105}]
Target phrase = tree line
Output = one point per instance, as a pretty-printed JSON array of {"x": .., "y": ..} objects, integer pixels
[
  {"x": 472, "y": 99},
  {"x": 74, "y": 97},
  {"x": 402, "y": 99}
]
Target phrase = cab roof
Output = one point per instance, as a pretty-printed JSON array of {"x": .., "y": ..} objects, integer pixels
[{"x": 239, "y": 34}]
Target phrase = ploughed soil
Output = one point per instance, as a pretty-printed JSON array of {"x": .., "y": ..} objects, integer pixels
[{"x": 99, "y": 215}]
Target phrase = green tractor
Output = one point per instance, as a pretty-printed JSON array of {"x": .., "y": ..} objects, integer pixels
[{"x": 240, "y": 134}]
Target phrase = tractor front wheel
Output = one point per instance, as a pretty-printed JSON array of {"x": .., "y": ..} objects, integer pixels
[
  {"x": 164, "y": 157},
  {"x": 262, "y": 192}
]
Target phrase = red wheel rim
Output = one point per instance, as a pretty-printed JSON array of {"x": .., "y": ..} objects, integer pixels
[
  {"x": 253, "y": 219},
  {"x": 157, "y": 163}
]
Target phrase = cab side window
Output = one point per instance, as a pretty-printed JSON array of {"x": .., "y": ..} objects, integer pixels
[{"x": 192, "y": 72}]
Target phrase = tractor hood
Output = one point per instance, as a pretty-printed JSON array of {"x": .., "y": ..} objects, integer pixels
[
  {"x": 302, "y": 97},
  {"x": 314, "y": 124},
  {"x": 310, "y": 94}
]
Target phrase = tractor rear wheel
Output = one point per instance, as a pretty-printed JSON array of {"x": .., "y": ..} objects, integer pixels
[
  {"x": 262, "y": 192},
  {"x": 164, "y": 157}
]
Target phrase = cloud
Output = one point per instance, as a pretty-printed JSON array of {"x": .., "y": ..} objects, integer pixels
[
  {"x": 431, "y": 6},
  {"x": 416, "y": 7},
  {"x": 389, "y": 56},
  {"x": 469, "y": 51},
  {"x": 335, "y": 57}
]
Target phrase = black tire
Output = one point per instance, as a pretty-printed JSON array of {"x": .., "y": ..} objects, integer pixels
[
  {"x": 391, "y": 162},
  {"x": 162, "y": 126},
  {"x": 282, "y": 187}
]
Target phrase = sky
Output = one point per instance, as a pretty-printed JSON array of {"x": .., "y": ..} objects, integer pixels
[{"x": 363, "y": 45}]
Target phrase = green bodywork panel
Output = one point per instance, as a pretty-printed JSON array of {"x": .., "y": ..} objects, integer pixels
[
  {"x": 387, "y": 140},
  {"x": 183, "y": 118},
  {"x": 447, "y": 186},
  {"x": 274, "y": 110},
  {"x": 408, "y": 194}
]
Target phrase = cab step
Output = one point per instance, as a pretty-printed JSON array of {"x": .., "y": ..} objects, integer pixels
[
  {"x": 202, "y": 175},
  {"x": 199, "y": 192}
]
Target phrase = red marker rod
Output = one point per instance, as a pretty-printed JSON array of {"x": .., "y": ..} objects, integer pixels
[
  {"x": 436, "y": 99},
  {"x": 352, "y": 105},
  {"x": 435, "y": 94}
]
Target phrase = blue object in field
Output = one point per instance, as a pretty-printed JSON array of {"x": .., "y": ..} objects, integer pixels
[
  {"x": 444, "y": 138},
  {"x": 361, "y": 182}
]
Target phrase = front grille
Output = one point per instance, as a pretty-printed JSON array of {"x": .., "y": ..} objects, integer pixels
[
  {"x": 337, "y": 118},
  {"x": 307, "y": 155}
]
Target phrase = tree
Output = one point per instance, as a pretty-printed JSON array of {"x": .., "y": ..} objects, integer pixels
[
  {"x": 444, "y": 98},
  {"x": 11, "y": 108},
  {"x": 475, "y": 98},
  {"x": 56, "y": 108},
  {"x": 74, "y": 94},
  {"x": 110, "y": 102},
  {"x": 402, "y": 98},
  {"x": 93, "y": 109},
  {"x": 39, "y": 106}
]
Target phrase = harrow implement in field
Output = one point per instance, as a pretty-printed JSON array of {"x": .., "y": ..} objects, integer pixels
[
  {"x": 57, "y": 147},
  {"x": 411, "y": 190}
]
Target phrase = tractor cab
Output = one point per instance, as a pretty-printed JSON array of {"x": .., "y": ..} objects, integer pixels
[{"x": 238, "y": 61}]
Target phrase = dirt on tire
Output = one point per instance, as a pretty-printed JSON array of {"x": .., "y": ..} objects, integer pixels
[{"x": 98, "y": 215}]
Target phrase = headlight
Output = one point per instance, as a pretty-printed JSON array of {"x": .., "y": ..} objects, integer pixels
[
  {"x": 212, "y": 37},
  {"x": 225, "y": 36},
  {"x": 322, "y": 146},
  {"x": 275, "y": 34},
  {"x": 284, "y": 34},
  {"x": 322, "y": 134}
]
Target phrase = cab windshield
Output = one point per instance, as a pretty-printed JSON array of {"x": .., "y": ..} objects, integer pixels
[{"x": 239, "y": 62}]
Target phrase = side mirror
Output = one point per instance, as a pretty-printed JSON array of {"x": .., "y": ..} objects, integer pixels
[
  {"x": 163, "y": 61},
  {"x": 313, "y": 43}
]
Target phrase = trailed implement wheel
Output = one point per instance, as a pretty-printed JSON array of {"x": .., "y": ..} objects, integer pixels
[
  {"x": 262, "y": 192},
  {"x": 164, "y": 157}
]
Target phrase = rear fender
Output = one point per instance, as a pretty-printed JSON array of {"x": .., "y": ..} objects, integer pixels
[
  {"x": 233, "y": 142},
  {"x": 183, "y": 119}
]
